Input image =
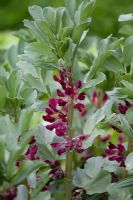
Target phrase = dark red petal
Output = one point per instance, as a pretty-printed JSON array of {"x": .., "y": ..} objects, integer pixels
[
  {"x": 62, "y": 102},
  {"x": 105, "y": 138},
  {"x": 79, "y": 143},
  {"x": 81, "y": 96},
  {"x": 49, "y": 111},
  {"x": 79, "y": 84},
  {"x": 56, "y": 144},
  {"x": 45, "y": 188},
  {"x": 112, "y": 146},
  {"x": 105, "y": 97},
  {"x": 111, "y": 151},
  {"x": 79, "y": 107},
  {"x": 48, "y": 118},
  {"x": 128, "y": 104},
  {"x": 56, "y": 78},
  {"x": 69, "y": 91},
  {"x": 63, "y": 117},
  {"x": 120, "y": 147},
  {"x": 34, "y": 149},
  {"x": 113, "y": 158},
  {"x": 61, "y": 151},
  {"x": 32, "y": 140},
  {"x": 122, "y": 108},
  {"x": 69, "y": 144},
  {"x": 50, "y": 127},
  {"x": 82, "y": 136},
  {"x": 49, "y": 162},
  {"x": 57, "y": 163},
  {"x": 94, "y": 98},
  {"x": 53, "y": 103},
  {"x": 60, "y": 93}
]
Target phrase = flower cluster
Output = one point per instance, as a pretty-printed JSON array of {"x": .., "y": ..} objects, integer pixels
[
  {"x": 116, "y": 152},
  {"x": 75, "y": 144},
  {"x": 57, "y": 118},
  {"x": 124, "y": 107},
  {"x": 30, "y": 153},
  {"x": 57, "y": 110},
  {"x": 56, "y": 171}
]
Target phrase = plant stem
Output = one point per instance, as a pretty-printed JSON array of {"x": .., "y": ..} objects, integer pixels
[{"x": 69, "y": 155}]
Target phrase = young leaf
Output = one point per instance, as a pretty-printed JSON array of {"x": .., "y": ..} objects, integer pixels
[
  {"x": 125, "y": 17},
  {"x": 24, "y": 170}
]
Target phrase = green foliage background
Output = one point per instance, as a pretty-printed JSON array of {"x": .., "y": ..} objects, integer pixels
[{"x": 106, "y": 13}]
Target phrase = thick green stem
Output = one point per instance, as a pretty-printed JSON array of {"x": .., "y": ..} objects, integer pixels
[{"x": 69, "y": 155}]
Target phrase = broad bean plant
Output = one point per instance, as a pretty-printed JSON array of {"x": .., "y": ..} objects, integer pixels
[{"x": 66, "y": 108}]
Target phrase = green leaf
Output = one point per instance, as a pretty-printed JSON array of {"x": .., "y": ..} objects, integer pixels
[
  {"x": 87, "y": 9},
  {"x": 12, "y": 55},
  {"x": 113, "y": 64},
  {"x": 50, "y": 16},
  {"x": 59, "y": 18},
  {"x": 44, "y": 136},
  {"x": 36, "y": 12},
  {"x": 98, "y": 63},
  {"x": 125, "y": 183},
  {"x": 35, "y": 83},
  {"x": 100, "y": 184},
  {"x": 92, "y": 178},
  {"x": 31, "y": 179},
  {"x": 24, "y": 170},
  {"x": 111, "y": 166},
  {"x": 29, "y": 95},
  {"x": 45, "y": 152},
  {"x": 71, "y": 7},
  {"x": 14, "y": 83},
  {"x": 69, "y": 54},
  {"x": 93, "y": 120},
  {"x": 18, "y": 152},
  {"x": 25, "y": 119},
  {"x": 93, "y": 166},
  {"x": 122, "y": 194},
  {"x": 79, "y": 30},
  {"x": 129, "y": 115},
  {"x": 128, "y": 85},
  {"x": 125, "y": 17},
  {"x": 43, "y": 195},
  {"x": 22, "y": 193},
  {"x": 2, "y": 154},
  {"x": 3, "y": 94},
  {"x": 126, "y": 30},
  {"x": 128, "y": 50},
  {"x": 40, "y": 184},
  {"x": 94, "y": 197},
  {"x": 92, "y": 83},
  {"x": 121, "y": 122},
  {"x": 129, "y": 162},
  {"x": 93, "y": 135},
  {"x": 9, "y": 131}
]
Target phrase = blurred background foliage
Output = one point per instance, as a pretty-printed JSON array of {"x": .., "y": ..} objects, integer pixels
[{"x": 105, "y": 16}]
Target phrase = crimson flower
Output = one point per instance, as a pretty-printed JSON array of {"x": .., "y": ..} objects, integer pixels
[
  {"x": 31, "y": 153},
  {"x": 68, "y": 145},
  {"x": 56, "y": 171},
  {"x": 10, "y": 194},
  {"x": 124, "y": 107},
  {"x": 116, "y": 152},
  {"x": 56, "y": 113}
]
